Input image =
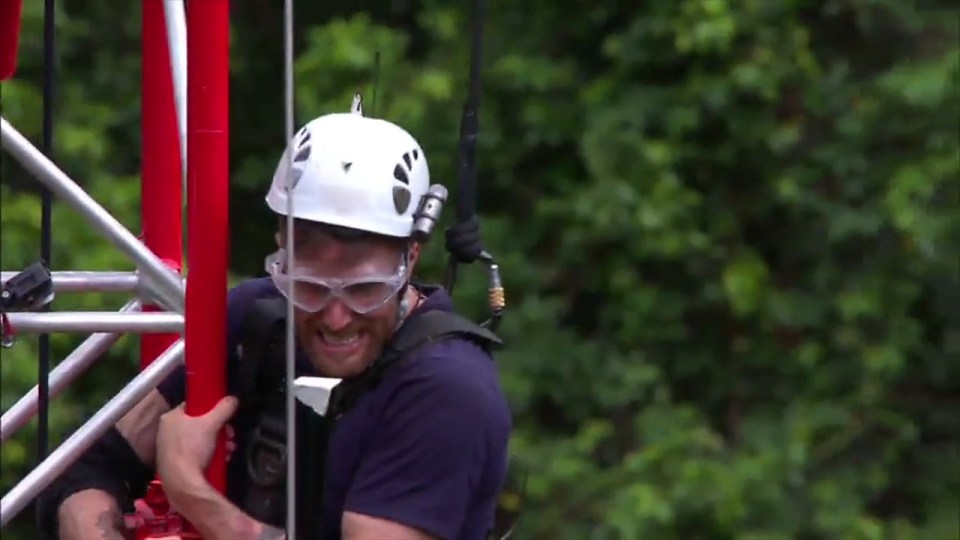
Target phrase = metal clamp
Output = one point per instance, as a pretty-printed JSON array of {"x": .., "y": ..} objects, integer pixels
[{"x": 29, "y": 290}]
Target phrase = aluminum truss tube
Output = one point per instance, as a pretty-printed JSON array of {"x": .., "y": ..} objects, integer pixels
[
  {"x": 164, "y": 282},
  {"x": 100, "y": 282},
  {"x": 65, "y": 373},
  {"x": 208, "y": 101},
  {"x": 87, "y": 322},
  {"x": 39, "y": 478},
  {"x": 176, "y": 24}
]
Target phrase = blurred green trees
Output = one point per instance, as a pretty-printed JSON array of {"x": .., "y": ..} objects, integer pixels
[{"x": 730, "y": 233}]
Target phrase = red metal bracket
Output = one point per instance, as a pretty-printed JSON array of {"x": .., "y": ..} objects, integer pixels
[{"x": 154, "y": 520}]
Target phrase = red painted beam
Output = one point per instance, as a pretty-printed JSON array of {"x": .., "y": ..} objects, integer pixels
[
  {"x": 10, "y": 17},
  {"x": 161, "y": 200},
  {"x": 208, "y": 70}
]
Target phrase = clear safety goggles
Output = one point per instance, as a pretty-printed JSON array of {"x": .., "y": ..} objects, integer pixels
[{"x": 312, "y": 293}]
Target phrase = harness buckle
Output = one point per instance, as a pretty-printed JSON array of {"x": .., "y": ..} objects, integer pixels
[{"x": 267, "y": 457}]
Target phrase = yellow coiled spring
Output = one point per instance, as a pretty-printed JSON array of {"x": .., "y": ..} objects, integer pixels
[{"x": 498, "y": 299}]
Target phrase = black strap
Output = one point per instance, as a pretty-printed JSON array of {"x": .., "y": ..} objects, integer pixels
[
  {"x": 260, "y": 387},
  {"x": 266, "y": 496},
  {"x": 424, "y": 329},
  {"x": 433, "y": 325},
  {"x": 261, "y": 338}
]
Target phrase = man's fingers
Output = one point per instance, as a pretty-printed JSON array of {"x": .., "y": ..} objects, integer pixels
[{"x": 222, "y": 411}]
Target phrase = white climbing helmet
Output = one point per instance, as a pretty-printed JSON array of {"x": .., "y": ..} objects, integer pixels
[{"x": 351, "y": 171}]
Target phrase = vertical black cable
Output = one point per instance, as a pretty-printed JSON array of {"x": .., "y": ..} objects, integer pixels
[
  {"x": 470, "y": 122},
  {"x": 43, "y": 363},
  {"x": 469, "y": 131}
]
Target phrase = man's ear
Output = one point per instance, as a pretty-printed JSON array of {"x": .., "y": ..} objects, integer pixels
[
  {"x": 279, "y": 239},
  {"x": 413, "y": 255}
]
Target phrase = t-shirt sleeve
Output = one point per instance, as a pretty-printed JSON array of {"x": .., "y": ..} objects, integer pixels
[
  {"x": 428, "y": 453},
  {"x": 239, "y": 300}
]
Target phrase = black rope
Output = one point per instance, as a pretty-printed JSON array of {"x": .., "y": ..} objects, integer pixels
[
  {"x": 43, "y": 363},
  {"x": 470, "y": 126},
  {"x": 463, "y": 239}
]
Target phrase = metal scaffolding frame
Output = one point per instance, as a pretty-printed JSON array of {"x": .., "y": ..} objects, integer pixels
[
  {"x": 176, "y": 118},
  {"x": 66, "y": 371}
]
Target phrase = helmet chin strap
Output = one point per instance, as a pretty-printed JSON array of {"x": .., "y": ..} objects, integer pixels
[
  {"x": 404, "y": 300},
  {"x": 404, "y": 305}
]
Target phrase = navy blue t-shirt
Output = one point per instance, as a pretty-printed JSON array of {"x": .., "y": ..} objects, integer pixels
[{"x": 427, "y": 447}]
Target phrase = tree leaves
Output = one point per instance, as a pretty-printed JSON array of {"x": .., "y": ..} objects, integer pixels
[{"x": 727, "y": 231}]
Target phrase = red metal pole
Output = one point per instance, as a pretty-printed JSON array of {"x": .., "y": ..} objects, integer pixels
[
  {"x": 161, "y": 200},
  {"x": 10, "y": 11},
  {"x": 208, "y": 70},
  {"x": 160, "y": 166}
]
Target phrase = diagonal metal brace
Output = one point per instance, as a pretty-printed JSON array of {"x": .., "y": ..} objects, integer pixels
[{"x": 164, "y": 282}]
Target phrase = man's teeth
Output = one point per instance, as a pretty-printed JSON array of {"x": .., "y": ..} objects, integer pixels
[{"x": 340, "y": 340}]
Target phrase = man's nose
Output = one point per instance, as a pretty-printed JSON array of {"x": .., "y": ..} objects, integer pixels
[{"x": 336, "y": 315}]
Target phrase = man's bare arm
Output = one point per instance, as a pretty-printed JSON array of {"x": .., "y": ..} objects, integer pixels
[
  {"x": 359, "y": 527},
  {"x": 139, "y": 426},
  {"x": 93, "y": 514},
  {"x": 215, "y": 517}
]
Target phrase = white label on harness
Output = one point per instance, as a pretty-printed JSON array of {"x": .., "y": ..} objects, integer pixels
[{"x": 314, "y": 392}]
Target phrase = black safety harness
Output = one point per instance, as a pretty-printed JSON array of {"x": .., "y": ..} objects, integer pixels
[{"x": 262, "y": 386}]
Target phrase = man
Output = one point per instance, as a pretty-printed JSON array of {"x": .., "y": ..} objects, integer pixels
[{"x": 422, "y": 455}]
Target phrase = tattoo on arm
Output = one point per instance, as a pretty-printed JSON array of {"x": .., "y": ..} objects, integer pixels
[
  {"x": 108, "y": 524},
  {"x": 271, "y": 533},
  {"x": 111, "y": 526}
]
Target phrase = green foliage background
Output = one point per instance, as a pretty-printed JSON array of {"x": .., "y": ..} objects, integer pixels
[{"x": 730, "y": 232}]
